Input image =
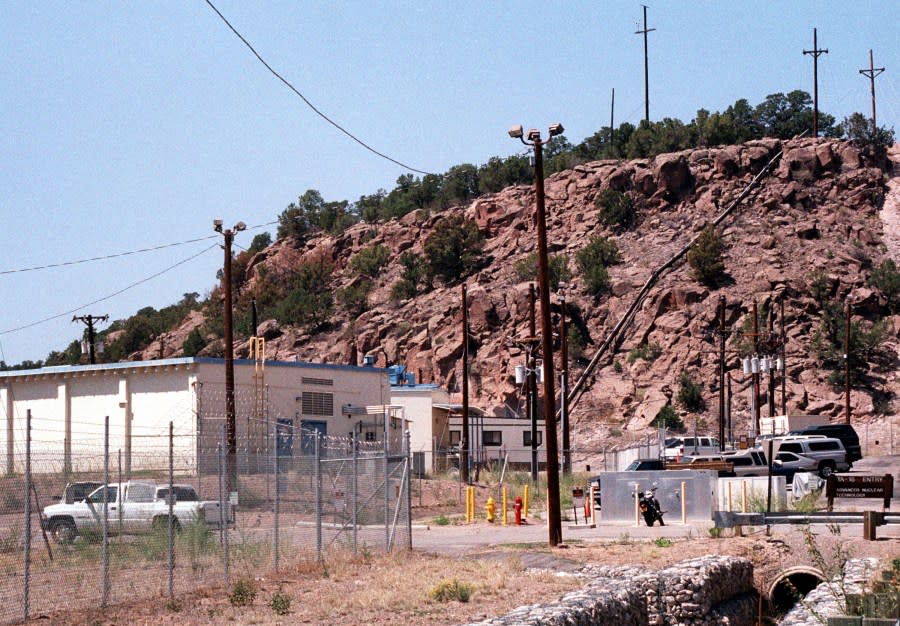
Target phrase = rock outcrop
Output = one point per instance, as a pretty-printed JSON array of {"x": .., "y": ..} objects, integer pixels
[{"x": 818, "y": 211}]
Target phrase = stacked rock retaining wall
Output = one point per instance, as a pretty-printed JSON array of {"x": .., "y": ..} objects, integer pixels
[{"x": 707, "y": 591}]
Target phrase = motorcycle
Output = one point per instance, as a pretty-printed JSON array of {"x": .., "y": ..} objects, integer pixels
[{"x": 649, "y": 507}]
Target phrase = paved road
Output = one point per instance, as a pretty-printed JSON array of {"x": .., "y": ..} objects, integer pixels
[{"x": 465, "y": 539}]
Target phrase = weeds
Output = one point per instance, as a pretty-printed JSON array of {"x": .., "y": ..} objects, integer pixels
[
  {"x": 280, "y": 603},
  {"x": 716, "y": 533},
  {"x": 448, "y": 590},
  {"x": 243, "y": 593},
  {"x": 441, "y": 520},
  {"x": 663, "y": 542}
]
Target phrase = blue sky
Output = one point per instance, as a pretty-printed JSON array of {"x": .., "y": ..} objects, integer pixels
[{"x": 132, "y": 125}]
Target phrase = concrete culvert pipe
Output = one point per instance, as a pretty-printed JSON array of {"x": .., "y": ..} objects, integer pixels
[{"x": 791, "y": 585}]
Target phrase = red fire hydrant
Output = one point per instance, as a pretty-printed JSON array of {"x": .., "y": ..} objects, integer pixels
[{"x": 518, "y": 509}]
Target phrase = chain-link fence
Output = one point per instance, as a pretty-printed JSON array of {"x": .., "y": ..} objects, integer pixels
[{"x": 92, "y": 532}]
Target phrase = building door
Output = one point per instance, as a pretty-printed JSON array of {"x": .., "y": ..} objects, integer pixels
[
  {"x": 309, "y": 429},
  {"x": 284, "y": 437}
]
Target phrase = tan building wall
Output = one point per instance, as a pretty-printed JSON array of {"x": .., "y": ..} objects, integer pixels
[{"x": 69, "y": 405}]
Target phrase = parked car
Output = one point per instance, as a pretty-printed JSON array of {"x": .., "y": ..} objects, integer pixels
[
  {"x": 789, "y": 463},
  {"x": 748, "y": 462},
  {"x": 678, "y": 447},
  {"x": 829, "y": 453},
  {"x": 845, "y": 432},
  {"x": 645, "y": 465}
]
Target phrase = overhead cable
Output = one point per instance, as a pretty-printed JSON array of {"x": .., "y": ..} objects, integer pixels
[
  {"x": 308, "y": 103},
  {"x": 107, "y": 297}
]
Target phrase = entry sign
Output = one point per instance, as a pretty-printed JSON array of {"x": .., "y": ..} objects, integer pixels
[
  {"x": 578, "y": 498},
  {"x": 850, "y": 486}
]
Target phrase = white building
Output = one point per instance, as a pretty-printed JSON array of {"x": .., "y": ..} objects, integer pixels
[
  {"x": 435, "y": 425},
  {"x": 305, "y": 402}
]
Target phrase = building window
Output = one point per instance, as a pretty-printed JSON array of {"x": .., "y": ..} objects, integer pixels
[
  {"x": 455, "y": 437},
  {"x": 526, "y": 438},
  {"x": 492, "y": 438},
  {"x": 371, "y": 435},
  {"x": 317, "y": 403}
]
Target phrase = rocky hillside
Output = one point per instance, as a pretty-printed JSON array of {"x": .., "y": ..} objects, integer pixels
[{"x": 821, "y": 208}]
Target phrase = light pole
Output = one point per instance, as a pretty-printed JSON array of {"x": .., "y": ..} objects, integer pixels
[
  {"x": 231, "y": 435},
  {"x": 554, "y": 521}
]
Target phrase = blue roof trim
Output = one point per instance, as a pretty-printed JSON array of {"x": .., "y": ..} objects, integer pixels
[
  {"x": 67, "y": 369},
  {"x": 420, "y": 387}
]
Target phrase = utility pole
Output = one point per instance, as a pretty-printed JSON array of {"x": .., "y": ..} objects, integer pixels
[
  {"x": 646, "y": 71},
  {"x": 89, "y": 320},
  {"x": 612, "y": 110},
  {"x": 871, "y": 73},
  {"x": 464, "y": 439},
  {"x": 847, "y": 364},
  {"x": 815, "y": 52},
  {"x": 771, "y": 392},
  {"x": 721, "y": 372},
  {"x": 783, "y": 362},
  {"x": 230, "y": 422},
  {"x": 755, "y": 374},
  {"x": 532, "y": 383},
  {"x": 564, "y": 385}
]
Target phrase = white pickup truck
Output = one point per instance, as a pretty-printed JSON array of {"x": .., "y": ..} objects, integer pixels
[{"x": 132, "y": 508}]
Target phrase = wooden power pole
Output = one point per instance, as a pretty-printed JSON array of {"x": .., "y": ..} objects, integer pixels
[
  {"x": 871, "y": 73},
  {"x": 646, "y": 68},
  {"x": 815, "y": 52}
]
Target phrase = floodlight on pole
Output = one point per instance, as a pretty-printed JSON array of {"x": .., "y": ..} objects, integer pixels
[
  {"x": 230, "y": 421},
  {"x": 554, "y": 522}
]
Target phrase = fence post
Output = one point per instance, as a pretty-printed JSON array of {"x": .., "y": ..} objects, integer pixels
[
  {"x": 120, "y": 508},
  {"x": 171, "y": 524},
  {"x": 105, "y": 548},
  {"x": 318, "y": 488},
  {"x": 276, "y": 540},
  {"x": 27, "y": 555},
  {"x": 408, "y": 441},
  {"x": 354, "y": 495}
]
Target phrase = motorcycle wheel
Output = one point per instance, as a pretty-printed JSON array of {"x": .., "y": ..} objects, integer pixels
[{"x": 649, "y": 518}]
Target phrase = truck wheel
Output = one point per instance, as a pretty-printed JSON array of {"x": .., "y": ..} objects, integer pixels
[
  {"x": 63, "y": 530},
  {"x": 826, "y": 469}
]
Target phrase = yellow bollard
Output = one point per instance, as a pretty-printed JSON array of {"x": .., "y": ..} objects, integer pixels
[
  {"x": 730, "y": 503},
  {"x": 743, "y": 496},
  {"x": 489, "y": 509},
  {"x": 505, "y": 513},
  {"x": 525, "y": 502},
  {"x": 470, "y": 504}
]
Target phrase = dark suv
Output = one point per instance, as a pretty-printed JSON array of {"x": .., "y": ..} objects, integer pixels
[{"x": 844, "y": 432}]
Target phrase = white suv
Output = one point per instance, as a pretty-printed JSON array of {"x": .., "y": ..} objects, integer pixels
[
  {"x": 828, "y": 451},
  {"x": 678, "y": 447}
]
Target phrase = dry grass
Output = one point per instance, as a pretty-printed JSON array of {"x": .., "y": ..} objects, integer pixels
[{"x": 382, "y": 590}]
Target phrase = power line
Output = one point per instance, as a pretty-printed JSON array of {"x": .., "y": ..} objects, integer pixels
[
  {"x": 108, "y": 297},
  {"x": 120, "y": 254},
  {"x": 308, "y": 103}
]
